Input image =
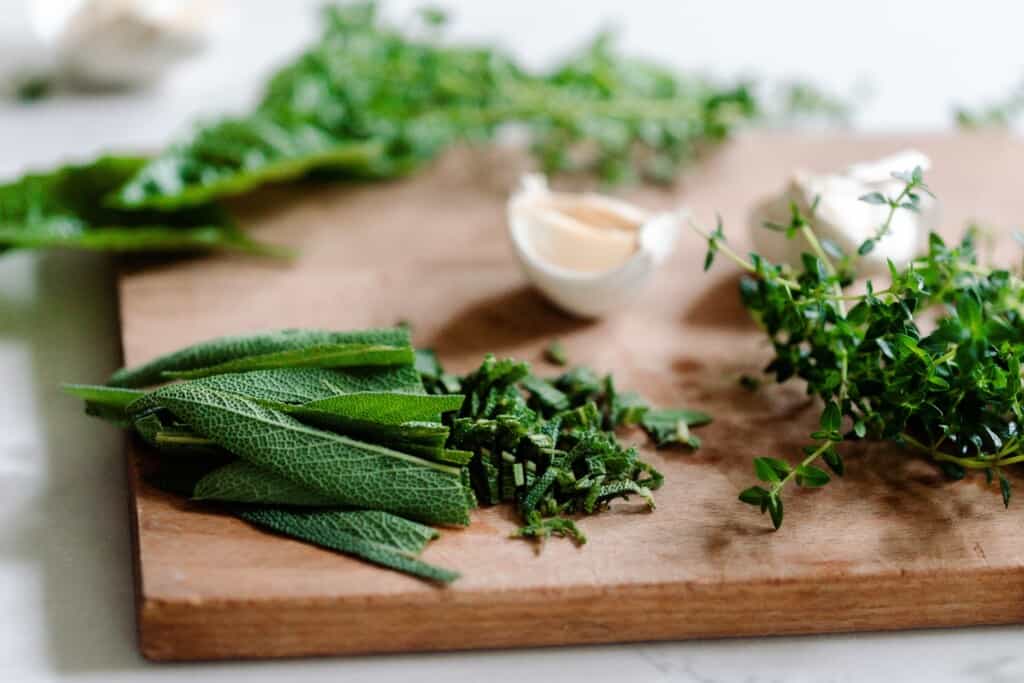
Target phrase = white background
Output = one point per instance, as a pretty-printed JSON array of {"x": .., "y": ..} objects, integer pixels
[{"x": 65, "y": 580}]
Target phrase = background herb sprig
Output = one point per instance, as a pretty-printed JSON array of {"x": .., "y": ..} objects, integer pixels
[
  {"x": 369, "y": 101},
  {"x": 931, "y": 362}
]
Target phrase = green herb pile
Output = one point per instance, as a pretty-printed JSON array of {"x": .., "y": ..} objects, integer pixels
[
  {"x": 367, "y": 101},
  {"x": 930, "y": 362},
  {"x": 356, "y": 442}
]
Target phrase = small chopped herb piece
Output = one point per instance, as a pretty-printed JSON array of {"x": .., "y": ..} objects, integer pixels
[
  {"x": 541, "y": 528},
  {"x": 672, "y": 426},
  {"x": 750, "y": 383},
  {"x": 555, "y": 354}
]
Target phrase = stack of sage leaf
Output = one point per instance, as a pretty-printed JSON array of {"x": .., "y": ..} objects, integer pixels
[
  {"x": 356, "y": 442},
  {"x": 368, "y": 101}
]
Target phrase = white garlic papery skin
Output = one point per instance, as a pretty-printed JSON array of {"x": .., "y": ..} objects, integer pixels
[
  {"x": 116, "y": 43},
  {"x": 841, "y": 217},
  {"x": 588, "y": 253}
]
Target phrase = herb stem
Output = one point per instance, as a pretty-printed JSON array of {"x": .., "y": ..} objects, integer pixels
[
  {"x": 893, "y": 205},
  {"x": 997, "y": 460},
  {"x": 182, "y": 439},
  {"x": 817, "y": 453},
  {"x": 739, "y": 260}
]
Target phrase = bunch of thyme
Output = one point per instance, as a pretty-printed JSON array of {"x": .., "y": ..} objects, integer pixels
[{"x": 951, "y": 392}]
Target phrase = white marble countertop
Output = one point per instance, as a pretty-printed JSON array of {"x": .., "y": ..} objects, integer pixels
[{"x": 65, "y": 572}]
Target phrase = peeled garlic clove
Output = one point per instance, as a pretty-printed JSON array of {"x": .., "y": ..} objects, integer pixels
[
  {"x": 841, "y": 218},
  {"x": 587, "y": 253}
]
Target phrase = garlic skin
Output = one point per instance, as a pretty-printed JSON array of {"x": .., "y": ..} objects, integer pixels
[
  {"x": 843, "y": 219},
  {"x": 588, "y": 253},
  {"x": 120, "y": 43}
]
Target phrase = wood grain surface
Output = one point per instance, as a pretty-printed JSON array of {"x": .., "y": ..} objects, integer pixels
[{"x": 893, "y": 545}]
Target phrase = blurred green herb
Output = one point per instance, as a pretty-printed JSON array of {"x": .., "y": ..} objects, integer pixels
[
  {"x": 1000, "y": 114},
  {"x": 799, "y": 101},
  {"x": 369, "y": 101},
  {"x": 952, "y": 393},
  {"x": 65, "y": 208},
  {"x": 33, "y": 89}
]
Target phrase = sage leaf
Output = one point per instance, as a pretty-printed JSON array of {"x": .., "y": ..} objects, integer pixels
[
  {"x": 388, "y": 407},
  {"x": 325, "y": 356},
  {"x": 107, "y": 403},
  {"x": 224, "y": 349},
  {"x": 237, "y": 155},
  {"x": 243, "y": 482},
  {"x": 377, "y": 537},
  {"x": 303, "y": 385},
  {"x": 426, "y": 439},
  {"x": 65, "y": 208},
  {"x": 97, "y": 393},
  {"x": 355, "y": 473}
]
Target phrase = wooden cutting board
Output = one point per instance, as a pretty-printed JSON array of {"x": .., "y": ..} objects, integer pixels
[{"x": 893, "y": 545}]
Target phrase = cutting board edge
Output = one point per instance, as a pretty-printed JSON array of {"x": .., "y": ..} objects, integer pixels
[{"x": 178, "y": 630}]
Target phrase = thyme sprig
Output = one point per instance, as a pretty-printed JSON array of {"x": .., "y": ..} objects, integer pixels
[{"x": 952, "y": 393}]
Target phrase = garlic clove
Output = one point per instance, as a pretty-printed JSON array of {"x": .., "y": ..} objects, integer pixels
[
  {"x": 587, "y": 253},
  {"x": 556, "y": 237},
  {"x": 840, "y": 217}
]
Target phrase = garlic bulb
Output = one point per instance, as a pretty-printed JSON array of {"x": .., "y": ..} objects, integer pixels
[
  {"x": 587, "y": 253},
  {"x": 114, "y": 43},
  {"x": 840, "y": 216}
]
